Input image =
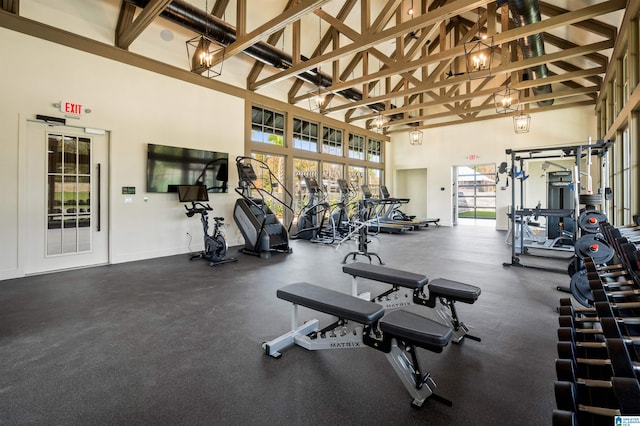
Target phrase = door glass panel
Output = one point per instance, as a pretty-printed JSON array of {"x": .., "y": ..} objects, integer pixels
[
  {"x": 68, "y": 195},
  {"x": 55, "y": 154},
  {"x": 477, "y": 192},
  {"x": 69, "y": 234},
  {"x": 84, "y": 156},
  {"x": 70, "y": 153}
]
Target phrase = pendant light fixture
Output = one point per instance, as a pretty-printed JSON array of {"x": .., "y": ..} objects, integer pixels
[
  {"x": 506, "y": 100},
  {"x": 521, "y": 122},
  {"x": 415, "y": 136},
  {"x": 478, "y": 54},
  {"x": 205, "y": 55}
]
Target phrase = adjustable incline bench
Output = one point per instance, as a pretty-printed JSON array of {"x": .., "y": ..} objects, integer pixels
[
  {"x": 397, "y": 334},
  {"x": 445, "y": 291}
]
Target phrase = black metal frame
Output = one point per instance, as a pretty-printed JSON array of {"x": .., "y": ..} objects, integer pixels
[{"x": 518, "y": 157}]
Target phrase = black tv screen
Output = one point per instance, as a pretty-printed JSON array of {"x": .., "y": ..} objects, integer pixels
[{"x": 169, "y": 166}]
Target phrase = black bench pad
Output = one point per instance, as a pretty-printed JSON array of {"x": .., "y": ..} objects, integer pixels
[
  {"x": 332, "y": 302},
  {"x": 415, "y": 328},
  {"x": 386, "y": 275},
  {"x": 454, "y": 290}
]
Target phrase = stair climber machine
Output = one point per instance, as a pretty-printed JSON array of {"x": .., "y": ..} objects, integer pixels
[
  {"x": 312, "y": 220},
  {"x": 254, "y": 213}
]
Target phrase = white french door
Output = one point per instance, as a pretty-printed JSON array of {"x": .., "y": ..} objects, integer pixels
[{"x": 65, "y": 198}]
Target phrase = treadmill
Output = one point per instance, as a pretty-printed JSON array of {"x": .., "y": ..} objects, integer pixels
[
  {"x": 376, "y": 207},
  {"x": 392, "y": 211}
]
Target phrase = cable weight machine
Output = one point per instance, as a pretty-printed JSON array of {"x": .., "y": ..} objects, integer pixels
[{"x": 582, "y": 194}]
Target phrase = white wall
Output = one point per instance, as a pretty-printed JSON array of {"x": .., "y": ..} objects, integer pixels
[
  {"x": 138, "y": 107},
  {"x": 444, "y": 147}
]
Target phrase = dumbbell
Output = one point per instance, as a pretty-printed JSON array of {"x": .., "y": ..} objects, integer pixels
[
  {"x": 564, "y": 418},
  {"x": 570, "y": 398}
]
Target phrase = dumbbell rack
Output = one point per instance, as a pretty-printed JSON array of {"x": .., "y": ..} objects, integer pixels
[{"x": 598, "y": 374}]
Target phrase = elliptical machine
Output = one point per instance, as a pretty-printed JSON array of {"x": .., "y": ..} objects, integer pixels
[
  {"x": 215, "y": 245},
  {"x": 340, "y": 216},
  {"x": 312, "y": 217}
]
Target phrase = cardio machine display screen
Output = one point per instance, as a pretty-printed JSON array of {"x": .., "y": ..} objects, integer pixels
[
  {"x": 168, "y": 167},
  {"x": 189, "y": 193}
]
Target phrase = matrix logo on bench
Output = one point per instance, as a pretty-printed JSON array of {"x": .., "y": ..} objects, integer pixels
[
  {"x": 345, "y": 345},
  {"x": 395, "y": 305}
]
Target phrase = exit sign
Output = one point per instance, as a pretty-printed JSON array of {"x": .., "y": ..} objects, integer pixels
[
  {"x": 472, "y": 157},
  {"x": 71, "y": 108}
]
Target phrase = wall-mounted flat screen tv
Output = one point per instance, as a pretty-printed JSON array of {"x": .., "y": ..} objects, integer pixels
[{"x": 169, "y": 166}]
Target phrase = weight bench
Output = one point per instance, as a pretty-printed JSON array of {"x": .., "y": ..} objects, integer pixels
[
  {"x": 397, "y": 334},
  {"x": 408, "y": 289}
]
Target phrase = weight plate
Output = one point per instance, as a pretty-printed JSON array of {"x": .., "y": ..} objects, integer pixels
[
  {"x": 576, "y": 264},
  {"x": 580, "y": 289},
  {"x": 590, "y": 199},
  {"x": 589, "y": 221},
  {"x": 591, "y": 245}
]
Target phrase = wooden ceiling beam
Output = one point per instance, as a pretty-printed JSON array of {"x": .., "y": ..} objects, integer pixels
[
  {"x": 591, "y": 25},
  {"x": 492, "y": 117},
  {"x": 488, "y": 105},
  {"x": 344, "y": 12},
  {"x": 272, "y": 40},
  {"x": 457, "y": 51},
  {"x": 597, "y": 58},
  {"x": 272, "y": 26},
  {"x": 219, "y": 8},
  {"x": 514, "y": 66},
  {"x": 384, "y": 17},
  {"x": 370, "y": 40},
  {"x": 11, "y": 6},
  {"x": 125, "y": 19},
  {"x": 504, "y": 37},
  {"x": 149, "y": 13}
]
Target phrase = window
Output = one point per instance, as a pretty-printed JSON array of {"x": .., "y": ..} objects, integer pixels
[
  {"x": 625, "y": 79},
  {"x": 331, "y": 141},
  {"x": 356, "y": 146},
  {"x": 331, "y": 172},
  {"x": 356, "y": 180},
  {"x": 374, "y": 180},
  {"x": 277, "y": 167},
  {"x": 305, "y": 135},
  {"x": 626, "y": 177},
  {"x": 267, "y": 126},
  {"x": 374, "y": 151},
  {"x": 324, "y": 149},
  {"x": 302, "y": 168}
]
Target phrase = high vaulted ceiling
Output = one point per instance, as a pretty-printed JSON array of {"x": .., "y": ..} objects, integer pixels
[{"x": 373, "y": 56}]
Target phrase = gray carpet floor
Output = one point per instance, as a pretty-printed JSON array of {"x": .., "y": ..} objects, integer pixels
[{"x": 173, "y": 341}]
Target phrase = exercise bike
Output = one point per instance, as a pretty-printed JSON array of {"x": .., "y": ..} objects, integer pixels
[{"x": 215, "y": 246}]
